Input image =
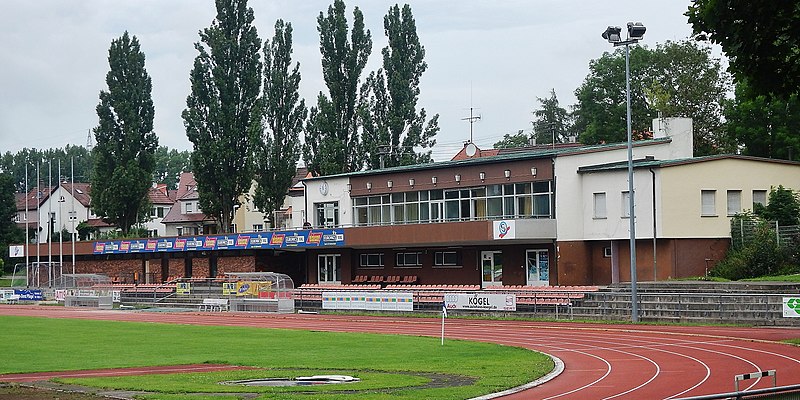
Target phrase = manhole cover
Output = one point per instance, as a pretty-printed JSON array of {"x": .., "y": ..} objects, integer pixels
[{"x": 299, "y": 381}]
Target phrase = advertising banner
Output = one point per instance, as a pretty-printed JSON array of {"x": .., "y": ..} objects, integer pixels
[
  {"x": 504, "y": 229},
  {"x": 791, "y": 307},
  {"x": 340, "y": 300},
  {"x": 29, "y": 294},
  {"x": 183, "y": 288},
  {"x": 239, "y": 241},
  {"x": 228, "y": 288},
  {"x": 480, "y": 301},
  {"x": 16, "y": 251}
]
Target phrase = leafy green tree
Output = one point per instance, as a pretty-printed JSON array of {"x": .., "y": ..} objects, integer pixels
[
  {"x": 783, "y": 206},
  {"x": 332, "y": 143},
  {"x": 125, "y": 139},
  {"x": 222, "y": 115},
  {"x": 169, "y": 163},
  {"x": 551, "y": 121},
  {"x": 393, "y": 129},
  {"x": 764, "y": 126},
  {"x": 9, "y": 232},
  {"x": 284, "y": 115},
  {"x": 761, "y": 40},
  {"x": 15, "y": 163},
  {"x": 676, "y": 79},
  {"x": 509, "y": 141}
]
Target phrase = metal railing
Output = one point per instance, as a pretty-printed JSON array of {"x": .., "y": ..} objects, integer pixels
[{"x": 791, "y": 392}]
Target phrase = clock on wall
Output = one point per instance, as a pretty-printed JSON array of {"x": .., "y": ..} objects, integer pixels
[{"x": 323, "y": 188}]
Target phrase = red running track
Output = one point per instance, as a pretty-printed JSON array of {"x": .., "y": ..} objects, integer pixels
[{"x": 601, "y": 361}]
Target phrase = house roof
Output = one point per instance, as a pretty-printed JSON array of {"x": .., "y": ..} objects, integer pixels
[
  {"x": 186, "y": 186},
  {"x": 525, "y": 153},
  {"x": 82, "y": 192},
  {"x": 653, "y": 163},
  {"x": 159, "y": 196},
  {"x": 32, "y": 198},
  {"x": 98, "y": 223}
]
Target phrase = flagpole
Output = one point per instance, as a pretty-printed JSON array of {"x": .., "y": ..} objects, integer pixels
[
  {"x": 49, "y": 223},
  {"x": 73, "y": 215},
  {"x": 27, "y": 242},
  {"x": 61, "y": 223},
  {"x": 38, "y": 222},
  {"x": 444, "y": 315}
]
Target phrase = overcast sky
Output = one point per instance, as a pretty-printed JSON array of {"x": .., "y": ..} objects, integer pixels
[{"x": 496, "y": 56}]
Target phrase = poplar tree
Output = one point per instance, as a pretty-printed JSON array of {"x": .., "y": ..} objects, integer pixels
[
  {"x": 284, "y": 114},
  {"x": 124, "y": 152},
  {"x": 332, "y": 143},
  {"x": 9, "y": 232},
  {"x": 393, "y": 128},
  {"x": 222, "y": 115}
]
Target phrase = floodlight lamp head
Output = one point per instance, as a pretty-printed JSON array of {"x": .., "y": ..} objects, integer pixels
[
  {"x": 636, "y": 30},
  {"x": 612, "y": 34}
]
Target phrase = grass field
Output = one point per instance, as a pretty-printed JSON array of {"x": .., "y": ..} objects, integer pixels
[{"x": 390, "y": 366}]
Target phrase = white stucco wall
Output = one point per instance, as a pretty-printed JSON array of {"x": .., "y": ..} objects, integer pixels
[
  {"x": 336, "y": 192},
  {"x": 613, "y": 183},
  {"x": 574, "y": 191}
]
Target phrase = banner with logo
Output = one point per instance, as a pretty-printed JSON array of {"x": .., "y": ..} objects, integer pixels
[
  {"x": 240, "y": 241},
  {"x": 480, "y": 301},
  {"x": 791, "y": 307},
  {"x": 16, "y": 251},
  {"x": 183, "y": 288},
  {"x": 228, "y": 288},
  {"x": 29, "y": 294},
  {"x": 341, "y": 300},
  {"x": 505, "y": 229}
]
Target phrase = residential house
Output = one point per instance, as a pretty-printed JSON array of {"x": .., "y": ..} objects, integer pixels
[{"x": 186, "y": 217}]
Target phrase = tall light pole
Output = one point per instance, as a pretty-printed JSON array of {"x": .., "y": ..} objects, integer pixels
[{"x": 635, "y": 33}]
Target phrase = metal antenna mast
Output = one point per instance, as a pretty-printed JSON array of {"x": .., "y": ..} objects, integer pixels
[{"x": 471, "y": 119}]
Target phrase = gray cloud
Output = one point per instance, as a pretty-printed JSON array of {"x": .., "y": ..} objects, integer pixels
[{"x": 497, "y": 56}]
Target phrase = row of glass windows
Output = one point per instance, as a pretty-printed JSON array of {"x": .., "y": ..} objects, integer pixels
[
  {"x": 517, "y": 200},
  {"x": 409, "y": 259}
]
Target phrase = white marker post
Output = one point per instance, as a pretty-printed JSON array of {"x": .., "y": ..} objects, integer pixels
[{"x": 444, "y": 315}]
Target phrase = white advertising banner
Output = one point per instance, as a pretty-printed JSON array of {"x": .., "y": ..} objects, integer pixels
[
  {"x": 16, "y": 251},
  {"x": 791, "y": 307},
  {"x": 336, "y": 300},
  {"x": 480, "y": 301},
  {"x": 505, "y": 229}
]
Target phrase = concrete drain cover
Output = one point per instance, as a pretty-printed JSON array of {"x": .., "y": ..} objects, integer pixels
[{"x": 299, "y": 381}]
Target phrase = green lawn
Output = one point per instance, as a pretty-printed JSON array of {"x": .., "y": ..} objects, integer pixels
[{"x": 391, "y": 366}]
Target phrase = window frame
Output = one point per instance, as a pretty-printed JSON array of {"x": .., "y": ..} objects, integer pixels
[
  {"x": 402, "y": 258},
  {"x": 733, "y": 204},
  {"x": 440, "y": 261},
  {"x": 599, "y": 203},
  {"x": 708, "y": 209}
]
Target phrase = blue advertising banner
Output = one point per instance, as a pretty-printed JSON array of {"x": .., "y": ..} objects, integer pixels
[
  {"x": 28, "y": 294},
  {"x": 237, "y": 241}
]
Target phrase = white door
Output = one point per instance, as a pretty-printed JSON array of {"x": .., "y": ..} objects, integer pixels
[
  {"x": 492, "y": 268},
  {"x": 538, "y": 268}
]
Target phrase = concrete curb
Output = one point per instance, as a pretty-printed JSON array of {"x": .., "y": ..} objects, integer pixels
[{"x": 559, "y": 368}]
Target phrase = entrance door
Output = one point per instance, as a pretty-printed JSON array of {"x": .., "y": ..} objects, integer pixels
[
  {"x": 330, "y": 269},
  {"x": 538, "y": 268},
  {"x": 492, "y": 268}
]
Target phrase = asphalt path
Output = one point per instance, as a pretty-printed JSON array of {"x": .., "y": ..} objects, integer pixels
[{"x": 600, "y": 361}]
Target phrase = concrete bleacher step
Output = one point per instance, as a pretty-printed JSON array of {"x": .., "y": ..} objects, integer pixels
[{"x": 757, "y": 303}]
